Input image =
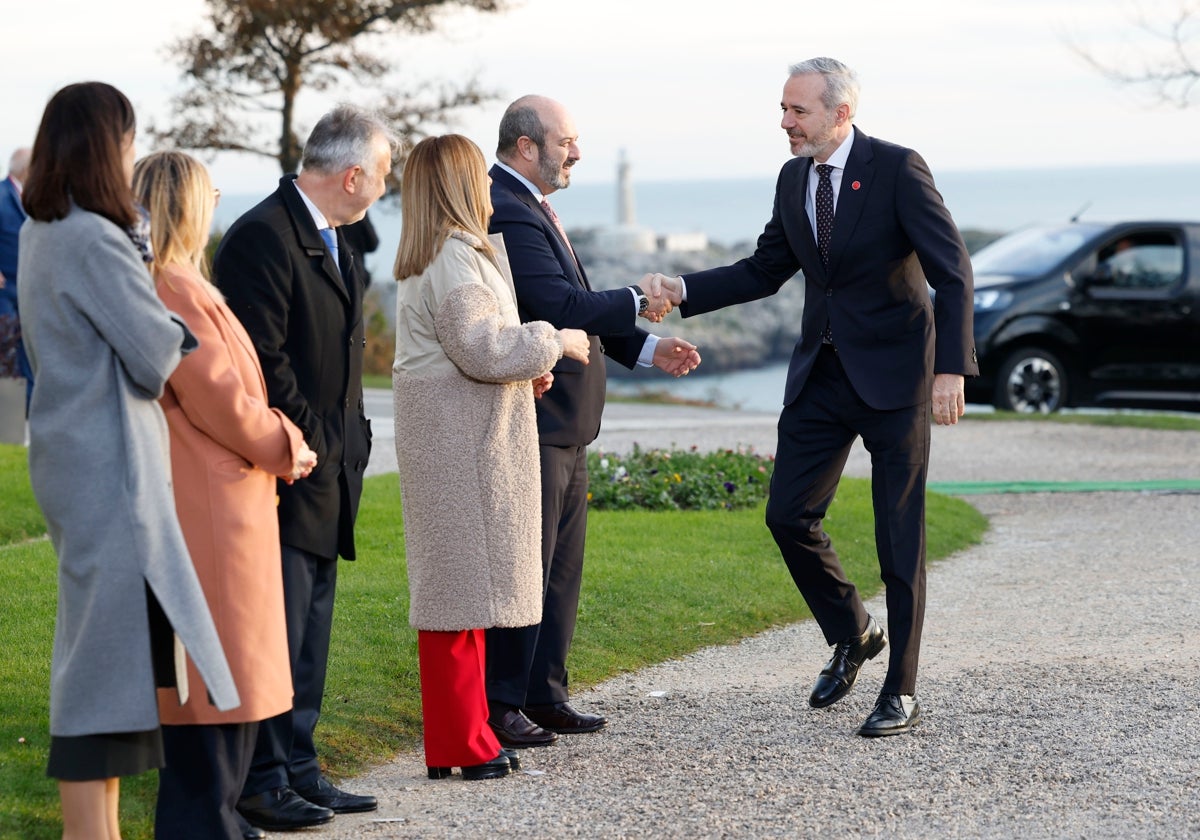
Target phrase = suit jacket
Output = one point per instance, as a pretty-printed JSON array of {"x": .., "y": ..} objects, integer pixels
[
  {"x": 551, "y": 286},
  {"x": 12, "y": 216},
  {"x": 891, "y": 236},
  {"x": 227, "y": 447},
  {"x": 307, "y": 326}
]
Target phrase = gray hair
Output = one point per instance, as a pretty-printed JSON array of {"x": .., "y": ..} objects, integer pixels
[
  {"x": 343, "y": 138},
  {"x": 521, "y": 119},
  {"x": 841, "y": 83}
]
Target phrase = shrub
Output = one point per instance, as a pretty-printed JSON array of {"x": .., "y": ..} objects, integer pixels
[{"x": 678, "y": 479}]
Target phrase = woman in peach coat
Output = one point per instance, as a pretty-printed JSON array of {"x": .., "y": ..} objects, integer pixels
[{"x": 227, "y": 447}]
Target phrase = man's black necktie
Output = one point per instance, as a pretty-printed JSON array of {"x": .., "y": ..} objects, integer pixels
[{"x": 824, "y": 211}]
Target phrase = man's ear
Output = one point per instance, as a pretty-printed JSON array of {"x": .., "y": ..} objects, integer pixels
[
  {"x": 527, "y": 149},
  {"x": 350, "y": 179}
]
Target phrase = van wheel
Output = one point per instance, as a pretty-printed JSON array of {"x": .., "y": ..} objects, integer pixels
[{"x": 1031, "y": 381}]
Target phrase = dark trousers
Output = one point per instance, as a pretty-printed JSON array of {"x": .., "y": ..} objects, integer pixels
[
  {"x": 816, "y": 433},
  {"x": 285, "y": 753},
  {"x": 202, "y": 781},
  {"x": 527, "y": 666}
]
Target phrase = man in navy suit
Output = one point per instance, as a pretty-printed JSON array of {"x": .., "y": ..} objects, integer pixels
[
  {"x": 862, "y": 219},
  {"x": 527, "y": 681},
  {"x": 292, "y": 279},
  {"x": 12, "y": 216}
]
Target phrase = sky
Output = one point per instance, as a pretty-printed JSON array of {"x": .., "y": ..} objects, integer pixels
[{"x": 689, "y": 89}]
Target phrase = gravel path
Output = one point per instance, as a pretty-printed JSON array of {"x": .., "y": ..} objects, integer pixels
[{"x": 1059, "y": 681}]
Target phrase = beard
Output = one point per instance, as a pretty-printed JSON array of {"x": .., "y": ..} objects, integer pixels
[
  {"x": 814, "y": 143},
  {"x": 552, "y": 173}
]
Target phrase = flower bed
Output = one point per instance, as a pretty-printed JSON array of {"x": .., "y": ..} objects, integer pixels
[{"x": 678, "y": 479}]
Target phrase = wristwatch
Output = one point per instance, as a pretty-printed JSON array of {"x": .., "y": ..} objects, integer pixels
[{"x": 643, "y": 301}]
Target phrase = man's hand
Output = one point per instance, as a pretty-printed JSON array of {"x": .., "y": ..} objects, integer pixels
[
  {"x": 949, "y": 399},
  {"x": 663, "y": 286},
  {"x": 676, "y": 356},
  {"x": 305, "y": 463},
  {"x": 542, "y": 384},
  {"x": 660, "y": 304}
]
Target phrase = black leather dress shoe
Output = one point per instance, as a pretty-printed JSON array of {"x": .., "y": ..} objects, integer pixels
[
  {"x": 282, "y": 809},
  {"x": 516, "y": 731},
  {"x": 838, "y": 676},
  {"x": 497, "y": 768},
  {"x": 249, "y": 832},
  {"x": 514, "y": 763},
  {"x": 514, "y": 758},
  {"x": 323, "y": 793},
  {"x": 894, "y": 713},
  {"x": 564, "y": 720}
]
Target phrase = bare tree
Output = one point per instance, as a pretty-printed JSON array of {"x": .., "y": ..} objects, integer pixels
[
  {"x": 1169, "y": 68},
  {"x": 248, "y": 65}
]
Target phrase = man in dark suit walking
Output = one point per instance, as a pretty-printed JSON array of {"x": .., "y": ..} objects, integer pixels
[
  {"x": 527, "y": 683},
  {"x": 288, "y": 274},
  {"x": 876, "y": 355}
]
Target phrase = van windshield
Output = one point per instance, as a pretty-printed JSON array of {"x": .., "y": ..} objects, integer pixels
[{"x": 1033, "y": 251}]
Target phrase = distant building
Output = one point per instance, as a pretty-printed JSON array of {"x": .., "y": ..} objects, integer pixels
[
  {"x": 630, "y": 238},
  {"x": 694, "y": 241}
]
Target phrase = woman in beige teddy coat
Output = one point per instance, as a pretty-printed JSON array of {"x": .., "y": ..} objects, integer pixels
[{"x": 464, "y": 380}]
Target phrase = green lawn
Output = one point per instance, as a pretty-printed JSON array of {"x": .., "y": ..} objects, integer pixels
[
  {"x": 658, "y": 585},
  {"x": 699, "y": 578}
]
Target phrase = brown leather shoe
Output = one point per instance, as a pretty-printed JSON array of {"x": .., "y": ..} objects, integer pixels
[
  {"x": 561, "y": 718},
  {"x": 516, "y": 731}
]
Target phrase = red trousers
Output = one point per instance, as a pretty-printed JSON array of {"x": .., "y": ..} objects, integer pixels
[{"x": 454, "y": 699}]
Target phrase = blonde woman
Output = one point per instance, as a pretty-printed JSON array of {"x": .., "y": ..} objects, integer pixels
[
  {"x": 227, "y": 447},
  {"x": 464, "y": 380}
]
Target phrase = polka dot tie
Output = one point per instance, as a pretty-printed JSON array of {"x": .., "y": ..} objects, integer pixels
[{"x": 824, "y": 211}]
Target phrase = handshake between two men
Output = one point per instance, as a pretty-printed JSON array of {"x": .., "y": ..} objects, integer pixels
[
  {"x": 671, "y": 355},
  {"x": 664, "y": 294}
]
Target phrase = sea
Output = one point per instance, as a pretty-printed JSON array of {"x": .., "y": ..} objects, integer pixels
[{"x": 733, "y": 211}]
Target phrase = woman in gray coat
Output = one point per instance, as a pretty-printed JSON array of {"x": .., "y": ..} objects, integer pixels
[
  {"x": 464, "y": 380},
  {"x": 102, "y": 346}
]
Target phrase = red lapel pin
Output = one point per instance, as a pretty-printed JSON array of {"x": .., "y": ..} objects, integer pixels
[{"x": 855, "y": 185}]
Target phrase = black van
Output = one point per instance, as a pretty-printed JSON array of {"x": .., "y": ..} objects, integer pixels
[{"x": 1087, "y": 313}]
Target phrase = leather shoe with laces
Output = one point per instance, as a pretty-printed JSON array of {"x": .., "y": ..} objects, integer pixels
[
  {"x": 323, "y": 793},
  {"x": 561, "y": 718},
  {"x": 515, "y": 731},
  {"x": 838, "y": 676},
  {"x": 894, "y": 713},
  {"x": 282, "y": 809}
]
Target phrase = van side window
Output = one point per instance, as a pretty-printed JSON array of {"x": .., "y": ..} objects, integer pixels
[{"x": 1145, "y": 261}]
